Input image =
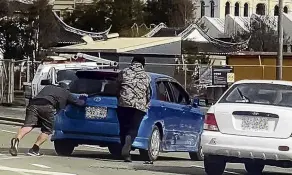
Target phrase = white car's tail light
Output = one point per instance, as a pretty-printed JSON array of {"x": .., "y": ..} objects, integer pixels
[{"x": 210, "y": 122}]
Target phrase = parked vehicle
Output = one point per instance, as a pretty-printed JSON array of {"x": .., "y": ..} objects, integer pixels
[
  {"x": 250, "y": 124},
  {"x": 61, "y": 69},
  {"x": 172, "y": 124}
]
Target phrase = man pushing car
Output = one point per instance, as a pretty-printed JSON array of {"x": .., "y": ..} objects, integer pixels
[{"x": 40, "y": 113}]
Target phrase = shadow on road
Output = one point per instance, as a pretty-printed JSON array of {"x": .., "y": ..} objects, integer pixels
[{"x": 105, "y": 156}]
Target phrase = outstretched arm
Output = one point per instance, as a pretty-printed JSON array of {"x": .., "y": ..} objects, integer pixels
[{"x": 74, "y": 101}]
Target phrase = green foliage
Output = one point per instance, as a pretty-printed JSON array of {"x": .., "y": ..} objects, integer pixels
[
  {"x": 122, "y": 14},
  {"x": 18, "y": 30},
  {"x": 262, "y": 34}
]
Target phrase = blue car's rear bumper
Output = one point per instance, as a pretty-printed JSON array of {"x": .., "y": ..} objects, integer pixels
[{"x": 80, "y": 131}]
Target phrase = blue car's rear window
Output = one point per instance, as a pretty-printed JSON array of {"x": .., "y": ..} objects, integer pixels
[{"x": 103, "y": 87}]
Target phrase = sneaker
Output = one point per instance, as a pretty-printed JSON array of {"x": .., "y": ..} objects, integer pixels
[
  {"x": 31, "y": 152},
  {"x": 14, "y": 146}
]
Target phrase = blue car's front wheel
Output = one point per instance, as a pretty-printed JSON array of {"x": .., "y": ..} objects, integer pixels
[{"x": 153, "y": 147}]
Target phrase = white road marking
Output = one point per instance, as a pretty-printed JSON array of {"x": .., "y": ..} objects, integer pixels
[
  {"x": 229, "y": 172},
  {"x": 41, "y": 166},
  {"x": 19, "y": 170},
  {"x": 7, "y": 158},
  {"x": 8, "y": 131}
]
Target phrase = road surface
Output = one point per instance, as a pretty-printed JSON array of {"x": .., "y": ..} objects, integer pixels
[{"x": 88, "y": 160}]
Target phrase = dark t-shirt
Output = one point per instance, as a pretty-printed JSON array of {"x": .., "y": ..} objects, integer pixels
[{"x": 58, "y": 97}]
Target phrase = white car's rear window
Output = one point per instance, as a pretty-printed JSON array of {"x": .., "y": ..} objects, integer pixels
[{"x": 259, "y": 93}]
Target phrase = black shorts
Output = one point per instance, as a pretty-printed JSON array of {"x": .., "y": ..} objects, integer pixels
[{"x": 40, "y": 116}]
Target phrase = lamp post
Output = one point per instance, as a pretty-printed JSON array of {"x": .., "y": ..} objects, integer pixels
[{"x": 279, "y": 63}]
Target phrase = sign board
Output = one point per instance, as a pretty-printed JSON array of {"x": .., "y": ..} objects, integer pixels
[
  {"x": 222, "y": 75},
  {"x": 230, "y": 77}
]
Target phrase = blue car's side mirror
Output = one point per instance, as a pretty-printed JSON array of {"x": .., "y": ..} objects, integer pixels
[{"x": 199, "y": 102}]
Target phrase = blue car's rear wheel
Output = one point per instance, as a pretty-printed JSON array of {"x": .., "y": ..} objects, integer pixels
[
  {"x": 153, "y": 147},
  {"x": 115, "y": 150},
  {"x": 64, "y": 147}
]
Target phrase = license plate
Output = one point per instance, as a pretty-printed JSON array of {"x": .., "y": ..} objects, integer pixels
[
  {"x": 95, "y": 112},
  {"x": 255, "y": 123}
]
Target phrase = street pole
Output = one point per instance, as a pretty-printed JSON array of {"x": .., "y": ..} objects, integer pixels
[{"x": 279, "y": 63}]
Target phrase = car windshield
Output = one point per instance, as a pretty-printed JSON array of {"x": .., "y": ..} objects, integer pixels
[
  {"x": 66, "y": 75},
  {"x": 259, "y": 93},
  {"x": 103, "y": 87}
]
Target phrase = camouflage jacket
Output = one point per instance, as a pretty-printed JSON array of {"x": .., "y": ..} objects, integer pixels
[{"x": 134, "y": 87}]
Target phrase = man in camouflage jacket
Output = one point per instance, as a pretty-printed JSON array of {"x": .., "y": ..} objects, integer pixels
[{"x": 133, "y": 102}]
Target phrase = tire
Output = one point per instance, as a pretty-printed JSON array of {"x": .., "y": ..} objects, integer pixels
[
  {"x": 153, "y": 147},
  {"x": 197, "y": 156},
  {"x": 214, "y": 165},
  {"x": 254, "y": 168},
  {"x": 115, "y": 150},
  {"x": 64, "y": 147}
]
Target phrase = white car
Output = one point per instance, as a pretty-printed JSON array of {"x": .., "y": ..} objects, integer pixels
[{"x": 251, "y": 123}]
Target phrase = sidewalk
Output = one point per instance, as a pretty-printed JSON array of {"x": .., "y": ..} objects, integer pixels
[{"x": 13, "y": 114}]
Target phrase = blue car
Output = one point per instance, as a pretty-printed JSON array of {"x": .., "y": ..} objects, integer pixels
[{"x": 172, "y": 124}]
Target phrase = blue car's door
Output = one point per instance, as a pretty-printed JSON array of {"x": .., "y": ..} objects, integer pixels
[
  {"x": 168, "y": 114},
  {"x": 191, "y": 120}
]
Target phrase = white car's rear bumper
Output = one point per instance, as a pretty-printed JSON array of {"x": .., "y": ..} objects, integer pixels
[{"x": 216, "y": 143}]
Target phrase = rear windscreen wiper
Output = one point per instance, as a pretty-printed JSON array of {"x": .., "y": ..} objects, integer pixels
[{"x": 243, "y": 97}]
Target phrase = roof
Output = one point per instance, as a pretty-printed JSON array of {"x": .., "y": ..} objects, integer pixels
[
  {"x": 169, "y": 32},
  {"x": 281, "y": 82},
  {"x": 250, "y": 53},
  {"x": 118, "y": 45}
]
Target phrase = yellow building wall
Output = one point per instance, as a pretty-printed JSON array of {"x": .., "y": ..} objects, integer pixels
[{"x": 248, "y": 67}]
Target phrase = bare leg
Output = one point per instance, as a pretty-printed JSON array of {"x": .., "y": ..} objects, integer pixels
[
  {"x": 41, "y": 139},
  {"x": 23, "y": 131}
]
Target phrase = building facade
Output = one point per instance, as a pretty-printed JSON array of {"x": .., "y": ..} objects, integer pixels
[{"x": 244, "y": 8}]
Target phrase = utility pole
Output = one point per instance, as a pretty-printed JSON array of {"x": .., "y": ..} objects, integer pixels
[{"x": 279, "y": 63}]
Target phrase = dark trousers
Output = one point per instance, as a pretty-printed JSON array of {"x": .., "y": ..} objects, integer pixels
[{"x": 129, "y": 120}]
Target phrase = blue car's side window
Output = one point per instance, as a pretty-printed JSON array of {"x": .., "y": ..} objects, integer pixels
[
  {"x": 179, "y": 94},
  {"x": 162, "y": 92}
]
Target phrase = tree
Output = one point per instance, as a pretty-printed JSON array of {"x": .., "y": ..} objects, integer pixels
[
  {"x": 20, "y": 26},
  {"x": 176, "y": 13},
  {"x": 93, "y": 18},
  {"x": 262, "y": 35},
  {"x": 182, "y": 12}
]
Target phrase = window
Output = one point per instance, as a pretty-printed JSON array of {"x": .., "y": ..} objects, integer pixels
[
  {"x": 276, "y": 10},
  {"x": 285, "y": 9},
  {"x": 179, "y": 94},
  {"x": 163, "y": 92},
  {"x": 212, "y": 8},
  {"x": 202, "y": 8},
  {"x": 261, "y": 9},
  {"x": 259, "y": 93},
  {"x": 236, "y": 9},
  {"x": 227, "y": 8},
  {"x": 66, "y": 75},
  {"x": 99, "y": 85},
  {"x": 245, "y": 10}
]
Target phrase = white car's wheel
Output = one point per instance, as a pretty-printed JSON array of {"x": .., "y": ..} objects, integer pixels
[
  {"x": 154, "y": 146},
  {"x": 214, "y": 165},
  {"x": 254, "y": 168}
]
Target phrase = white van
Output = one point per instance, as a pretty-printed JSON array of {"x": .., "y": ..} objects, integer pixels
[{"x": 53, "y": 73}]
